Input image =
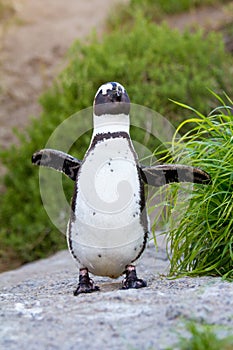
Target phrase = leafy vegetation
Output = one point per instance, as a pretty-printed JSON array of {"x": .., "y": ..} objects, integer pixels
[
  {"x": 154, "y": 63},
  {"x": 203, "y": 338},
  {"x": 202, "y": 242}
]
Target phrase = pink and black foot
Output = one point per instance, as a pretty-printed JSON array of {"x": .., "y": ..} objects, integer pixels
[
  {"x": 131, "y": 280},
  {"x": 86, "y": 284}
]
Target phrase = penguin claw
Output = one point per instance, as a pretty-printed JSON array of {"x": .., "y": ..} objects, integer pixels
[
  {"x": 131, "y": 280},
  {"x": 86, "y": 289},
  {"x": 86, "y": 284},
  {"x": 136, "y": 284}
]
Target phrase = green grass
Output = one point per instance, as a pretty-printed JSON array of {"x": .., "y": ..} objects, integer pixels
[
  {"x": 202, "y": 221},
  {"x": 203, "y": 338}
]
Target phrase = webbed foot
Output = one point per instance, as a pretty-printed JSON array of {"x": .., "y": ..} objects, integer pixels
[
  {"x": 131, "y": 280},
  {"x": 86, "y": 284}
]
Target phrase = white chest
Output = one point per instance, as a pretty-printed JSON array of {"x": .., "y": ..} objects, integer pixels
[{"x": 108, "y": 205}]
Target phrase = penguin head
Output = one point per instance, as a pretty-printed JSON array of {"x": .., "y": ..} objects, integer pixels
[{"x": 111, "y": 98}]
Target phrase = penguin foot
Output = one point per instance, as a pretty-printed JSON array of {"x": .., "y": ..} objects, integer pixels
[
  {"x": 131, "y": 280},
  {"x": 86, "y": 284}
]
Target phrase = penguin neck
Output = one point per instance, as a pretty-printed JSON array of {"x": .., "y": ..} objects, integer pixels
[{"x": 109, "y": 123}]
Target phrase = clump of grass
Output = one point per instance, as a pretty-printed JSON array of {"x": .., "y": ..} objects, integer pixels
[
  {"x": 203, "y": 338},
  {"x": 202, "y": 241}
]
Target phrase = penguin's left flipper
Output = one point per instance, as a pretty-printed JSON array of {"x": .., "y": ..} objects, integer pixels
[
  {"x": 160, "y": 175},
  {"x": 57, "y": 160}
]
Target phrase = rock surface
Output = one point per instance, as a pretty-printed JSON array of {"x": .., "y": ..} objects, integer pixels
[{"x": 38, "y": 309}]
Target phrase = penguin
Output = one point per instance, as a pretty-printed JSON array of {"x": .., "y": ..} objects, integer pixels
[{"x": 109, "y": 226}]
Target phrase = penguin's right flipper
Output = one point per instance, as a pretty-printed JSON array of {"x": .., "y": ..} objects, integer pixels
[
  {"x": 160, "y": 175},
  {"x": 57, "y": 160}
]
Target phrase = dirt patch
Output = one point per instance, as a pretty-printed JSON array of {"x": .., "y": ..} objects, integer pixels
[
  {"x": 33, "y": 49},
  {"x": 208, "y": 18}
]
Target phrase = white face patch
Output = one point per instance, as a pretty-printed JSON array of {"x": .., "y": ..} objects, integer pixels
[{"x": 109, "y": 86}]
